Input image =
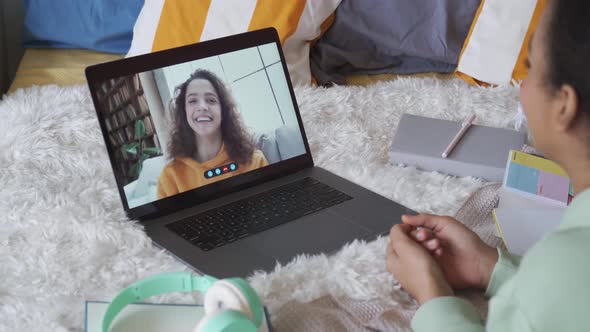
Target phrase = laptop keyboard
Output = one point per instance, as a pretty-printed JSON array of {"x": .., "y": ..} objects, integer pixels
[{"x": 256, "y": 213}]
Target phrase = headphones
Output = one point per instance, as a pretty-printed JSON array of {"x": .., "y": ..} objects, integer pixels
[{"x": 230, "y": 304}]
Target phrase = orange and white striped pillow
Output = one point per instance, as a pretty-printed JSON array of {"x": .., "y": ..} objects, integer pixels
[
  {"x": 165, "y": 24},
  {"x": 497, "y": 45}
]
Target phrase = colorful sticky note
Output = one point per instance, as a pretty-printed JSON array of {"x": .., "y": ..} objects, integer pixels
[
  {"x": 538, "y": 176},
  {"x": 553, "y": 186},
  {"x": 523, "y": 178},
  {"x": 539, "y": 163}
]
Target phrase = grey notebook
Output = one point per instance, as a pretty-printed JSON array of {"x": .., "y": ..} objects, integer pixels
[{"x": 482, "y": 152}]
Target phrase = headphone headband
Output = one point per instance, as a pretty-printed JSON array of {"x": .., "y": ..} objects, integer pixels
[{"x": 155, "y": 285}]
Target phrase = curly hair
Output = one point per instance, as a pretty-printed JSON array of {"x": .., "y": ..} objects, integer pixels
[{"x": 238, "y": 142}]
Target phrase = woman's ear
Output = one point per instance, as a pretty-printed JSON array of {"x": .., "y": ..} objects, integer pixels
[{"x": 568, "y": 108}]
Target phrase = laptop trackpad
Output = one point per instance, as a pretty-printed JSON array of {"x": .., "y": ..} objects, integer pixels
[{"x": 322, "y": 232}]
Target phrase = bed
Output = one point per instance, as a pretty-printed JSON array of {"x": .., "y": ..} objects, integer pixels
[
  {"x": 58, "y": 53},
  {"x": 326, "y": 42}
]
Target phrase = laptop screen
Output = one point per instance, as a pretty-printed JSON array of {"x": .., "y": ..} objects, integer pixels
[{"x": 189, "y": 125}]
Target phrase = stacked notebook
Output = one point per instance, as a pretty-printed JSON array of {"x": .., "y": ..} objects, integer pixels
[
  {"x": 533, "y": 199},
  {"x": 481, "y": 152}
]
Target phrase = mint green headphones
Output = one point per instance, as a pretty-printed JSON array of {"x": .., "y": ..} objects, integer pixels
[{"x": 230, "y": 304}]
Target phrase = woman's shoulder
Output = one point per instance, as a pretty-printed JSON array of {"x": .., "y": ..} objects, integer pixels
[
  {"x": 171, "y": 163},
  {"x": 177, "y": 163},
  {"x": 553, "y": 275},
  {"x": 257, "y": 153},
  {"x": 258, "y": 157},
  {"x": 560, "y": 257},
  {"x": 562, "y": 241}
]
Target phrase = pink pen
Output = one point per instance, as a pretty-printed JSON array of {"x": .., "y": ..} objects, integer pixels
[{"x": 466, "y": 124}]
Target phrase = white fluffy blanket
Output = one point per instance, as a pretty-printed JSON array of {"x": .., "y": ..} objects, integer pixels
[{"x": 64, "y": 237}]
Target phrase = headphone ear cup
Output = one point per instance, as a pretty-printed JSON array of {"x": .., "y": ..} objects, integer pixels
[
  {"x": 204, "y": 321},
  {"x": 223, "y": 295},
  {"x": 235, "y": 294},
  {"x": 226, "y": 321},
  {"x": 254, "y": 301}
]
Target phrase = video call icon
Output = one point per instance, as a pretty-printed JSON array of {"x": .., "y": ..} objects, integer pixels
[{"x": 221, "y": 170}]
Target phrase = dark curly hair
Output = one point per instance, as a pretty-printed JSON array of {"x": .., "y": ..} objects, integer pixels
[
  {"x": 238, "y": 142},
  {"x": 568, "y": 48}
]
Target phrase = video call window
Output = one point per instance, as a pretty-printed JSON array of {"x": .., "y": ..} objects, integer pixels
[{"x": 181, "y": 127}]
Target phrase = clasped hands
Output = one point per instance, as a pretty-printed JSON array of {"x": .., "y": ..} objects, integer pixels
[{"x": 430, "y": 256}]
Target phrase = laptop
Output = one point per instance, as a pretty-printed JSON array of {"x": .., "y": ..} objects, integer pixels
[{"x": 210, "y": 155}]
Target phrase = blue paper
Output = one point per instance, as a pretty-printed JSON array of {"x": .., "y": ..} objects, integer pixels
[{"x": 523, "y": 178}]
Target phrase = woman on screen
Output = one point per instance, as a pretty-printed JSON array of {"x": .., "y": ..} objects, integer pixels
[{"x": 208, "y": 141}]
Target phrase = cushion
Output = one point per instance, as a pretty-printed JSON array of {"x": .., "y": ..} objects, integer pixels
[
  {"x": 392, "y": 37},
  {"x": 497, "y": 46},
  {"x": 102, "y": 25},
  {"x": 289, "y": 142},
  {"x": 144, "y": 189},
  {"x": 268, "y": 145},
  {"x": 150, "y": 172},
  {"x": 165, "y": 24}
]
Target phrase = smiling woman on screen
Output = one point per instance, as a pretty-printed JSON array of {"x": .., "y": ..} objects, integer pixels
[{"x": 207, "y": 134}]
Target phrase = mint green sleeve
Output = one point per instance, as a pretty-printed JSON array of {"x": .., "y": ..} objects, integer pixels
[
  {"x": 504, "y": 269},
  {"x": 447, "y": 314},
  {"x": 452, "y": 314},
  {"x": 457, "y": 315},
  {"x": 548, "y": 293}
]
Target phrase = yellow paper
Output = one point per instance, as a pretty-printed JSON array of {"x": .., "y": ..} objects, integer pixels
[
  {"x": 539, "y": 163},
  {"x": 498, "y": 226}
]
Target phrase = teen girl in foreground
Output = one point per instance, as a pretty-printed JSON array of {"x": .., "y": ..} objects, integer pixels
[{"x": 549, "y": 289}]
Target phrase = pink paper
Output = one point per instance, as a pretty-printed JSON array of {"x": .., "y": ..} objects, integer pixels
[{"x": 553, "y": 186}]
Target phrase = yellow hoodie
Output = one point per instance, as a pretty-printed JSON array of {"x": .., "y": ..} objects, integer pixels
[{"x": 182, "y": 174}]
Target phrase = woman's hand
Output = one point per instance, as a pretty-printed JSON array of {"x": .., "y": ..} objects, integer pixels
[
  {"x": 467, "y": 262},
  {"x": 414, "y": 267}
]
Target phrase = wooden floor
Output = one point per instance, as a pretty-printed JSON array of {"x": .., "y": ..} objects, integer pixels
[
  {"x": 56, "y": 66},
  {"x": 365, "y": 80}
]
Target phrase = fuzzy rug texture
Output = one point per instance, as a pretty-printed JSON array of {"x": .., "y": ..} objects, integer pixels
[{"x": 64, "y": 237}]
